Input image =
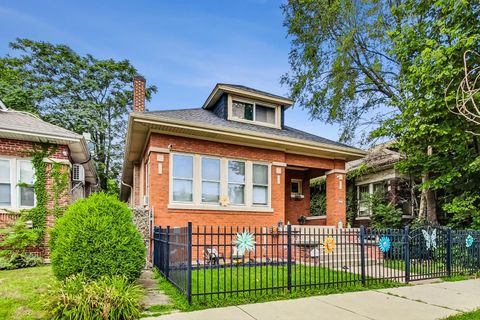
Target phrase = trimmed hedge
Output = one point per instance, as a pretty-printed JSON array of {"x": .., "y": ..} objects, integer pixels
[{"x": 96, "y": 237}]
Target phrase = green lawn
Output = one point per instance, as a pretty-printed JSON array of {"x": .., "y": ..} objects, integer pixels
[
  {"x": 474, "y": 315},
  {"x": 261, "y": 278},
  {"x": 416, "y": 266},
  {"x": 21, "y": 292},
  {"x": 268, "y": 276}
]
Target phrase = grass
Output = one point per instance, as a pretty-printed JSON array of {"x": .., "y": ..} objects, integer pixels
[
  {"x": 473, "y": 315},
  {"x": 216, "y": 279},
  {"x": 208, "y": 281},
  {"x": 21, "y": 292},
  {"x": 416, "y": 266}
]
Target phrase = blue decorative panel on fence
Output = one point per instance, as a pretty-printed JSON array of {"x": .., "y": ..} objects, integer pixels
[{"x": 213, "y": 263}]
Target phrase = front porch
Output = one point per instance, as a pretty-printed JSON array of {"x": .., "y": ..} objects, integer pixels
[{"x": 297, "y": 196}]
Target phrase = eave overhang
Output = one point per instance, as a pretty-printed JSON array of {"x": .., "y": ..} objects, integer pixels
[
  {"x": 221, "y": 89},
  {"x": 140, "y": 125},
  {"x": 76, "y": 144}
]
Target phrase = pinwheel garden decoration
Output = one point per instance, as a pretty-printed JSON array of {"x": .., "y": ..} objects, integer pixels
[
  {"x": 469, "y": 241},
  {"x": 384, "y": 244},
  {"x": 244, "y": 242},
  {"x": 329, "y": 245}
]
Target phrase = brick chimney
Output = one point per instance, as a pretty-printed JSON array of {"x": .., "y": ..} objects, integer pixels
[{"x": 138, "y": 93}]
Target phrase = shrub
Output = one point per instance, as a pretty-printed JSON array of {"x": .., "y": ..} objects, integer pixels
[
  {"x": 108, "y": 297},
  {"x": 97, "y": 237},
  {"x": 19, "y": 260},
  {"x": 16, "y": 240},
  {"x": 385, "y": 215}
]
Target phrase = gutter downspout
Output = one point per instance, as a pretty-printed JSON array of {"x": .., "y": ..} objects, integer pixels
[{"x": 131, "y": 189}]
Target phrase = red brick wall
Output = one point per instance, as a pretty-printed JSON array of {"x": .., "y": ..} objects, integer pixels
[
  {"x": 7, "y": 219},
  {"x": 159, "y": 183},
  {"x": 294, "y": 208},
  {"x": 21, "y": 149}
]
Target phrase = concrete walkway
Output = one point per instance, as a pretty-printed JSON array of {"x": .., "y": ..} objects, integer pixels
[{"x": 426, "y": 301}]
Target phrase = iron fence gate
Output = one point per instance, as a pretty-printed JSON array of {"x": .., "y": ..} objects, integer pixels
[{"x": 211, "y": 262}]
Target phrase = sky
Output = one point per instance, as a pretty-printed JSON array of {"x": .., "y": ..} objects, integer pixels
[{"x": 182, "y": 47}]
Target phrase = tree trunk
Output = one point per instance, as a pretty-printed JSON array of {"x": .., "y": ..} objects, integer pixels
[{"x": 429, "y": 194}]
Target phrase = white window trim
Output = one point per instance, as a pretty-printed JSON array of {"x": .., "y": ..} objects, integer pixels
[
  {"x": 278, "y": 112},
  {"x": 370, "y": 191},
  {"x": 14, "y": 188},
  {"x": 299, "y": 182},
  {"x": 194, "y": 163},
  {"x": 206, "y": 180},
  {"x": 197, "y": 203},
  {"x": 268, "y": 185}
]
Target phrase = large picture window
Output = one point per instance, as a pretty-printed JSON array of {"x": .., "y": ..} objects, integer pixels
[
  {"x": 182, "y": 178},
  {"x": 210, "y": 183},
  {"x": 210, "y": 180}
]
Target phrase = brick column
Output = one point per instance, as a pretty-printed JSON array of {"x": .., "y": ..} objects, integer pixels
[{"x": 336, "y": 197}]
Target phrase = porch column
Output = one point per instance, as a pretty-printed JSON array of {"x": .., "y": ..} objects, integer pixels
[{"x": 336, "y": 197}]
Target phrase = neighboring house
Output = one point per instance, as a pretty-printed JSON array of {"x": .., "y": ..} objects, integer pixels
[
  {"x": 381, "y": 177},
  {"x": 232, "y": 162},
  {"x": 19, "y": 133}
]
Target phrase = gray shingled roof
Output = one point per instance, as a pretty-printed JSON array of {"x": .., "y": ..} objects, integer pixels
[
  {"x": 27, "y": 123},
  {"x": 208, "y": 117},
  {"x": 238, "y": 86}
]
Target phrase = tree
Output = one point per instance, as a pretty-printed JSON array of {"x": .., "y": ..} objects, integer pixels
[
  {"x": 341, "y": 66},
  {"x": 429, "y": 45},
  {"x": 79, "y": 93},
  {"x": 350, "y": 58},
  {"x": 13, "y": 90}
]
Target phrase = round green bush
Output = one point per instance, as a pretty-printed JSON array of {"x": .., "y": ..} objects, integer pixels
[{"x": 97, "y": 237}]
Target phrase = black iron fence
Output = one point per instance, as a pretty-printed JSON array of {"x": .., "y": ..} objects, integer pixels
[
  {"x": 172, "y": 256},
  {"x": 208, "y": 263}
]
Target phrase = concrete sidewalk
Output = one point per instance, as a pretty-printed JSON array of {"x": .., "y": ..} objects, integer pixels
[{"x": 427, "y": 301}]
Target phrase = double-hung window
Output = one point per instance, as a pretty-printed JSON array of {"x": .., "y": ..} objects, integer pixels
[
  {"x": 5, "y": 183},
  {"x": 26, "y": 178},
  {"x": 213, "y": 183},
  {"x": 236, "y": 182},
  {"x": 260, "y": 184},
  {"x": 210, "y": 180},
  {"x": 182, "y": 178},
  {"x": 16, "y": 179}
]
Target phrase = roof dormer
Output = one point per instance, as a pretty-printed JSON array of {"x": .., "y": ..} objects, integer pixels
[{"x": 243, "y": 104}]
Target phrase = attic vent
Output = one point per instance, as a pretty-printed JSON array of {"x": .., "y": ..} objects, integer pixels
[{"x": 78, "y": 173}]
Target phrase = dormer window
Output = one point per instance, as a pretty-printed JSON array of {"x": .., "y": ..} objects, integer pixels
[{"x": 260, "y": 113}]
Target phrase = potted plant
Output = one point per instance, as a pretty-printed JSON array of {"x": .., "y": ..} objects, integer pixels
[{"x": 302, "y": 220}]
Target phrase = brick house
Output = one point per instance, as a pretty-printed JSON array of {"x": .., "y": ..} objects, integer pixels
[
  {"x": 381, "y": 176},
  {"x": 232, "y": 162},
  {"x": 19, "y": 133}
]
